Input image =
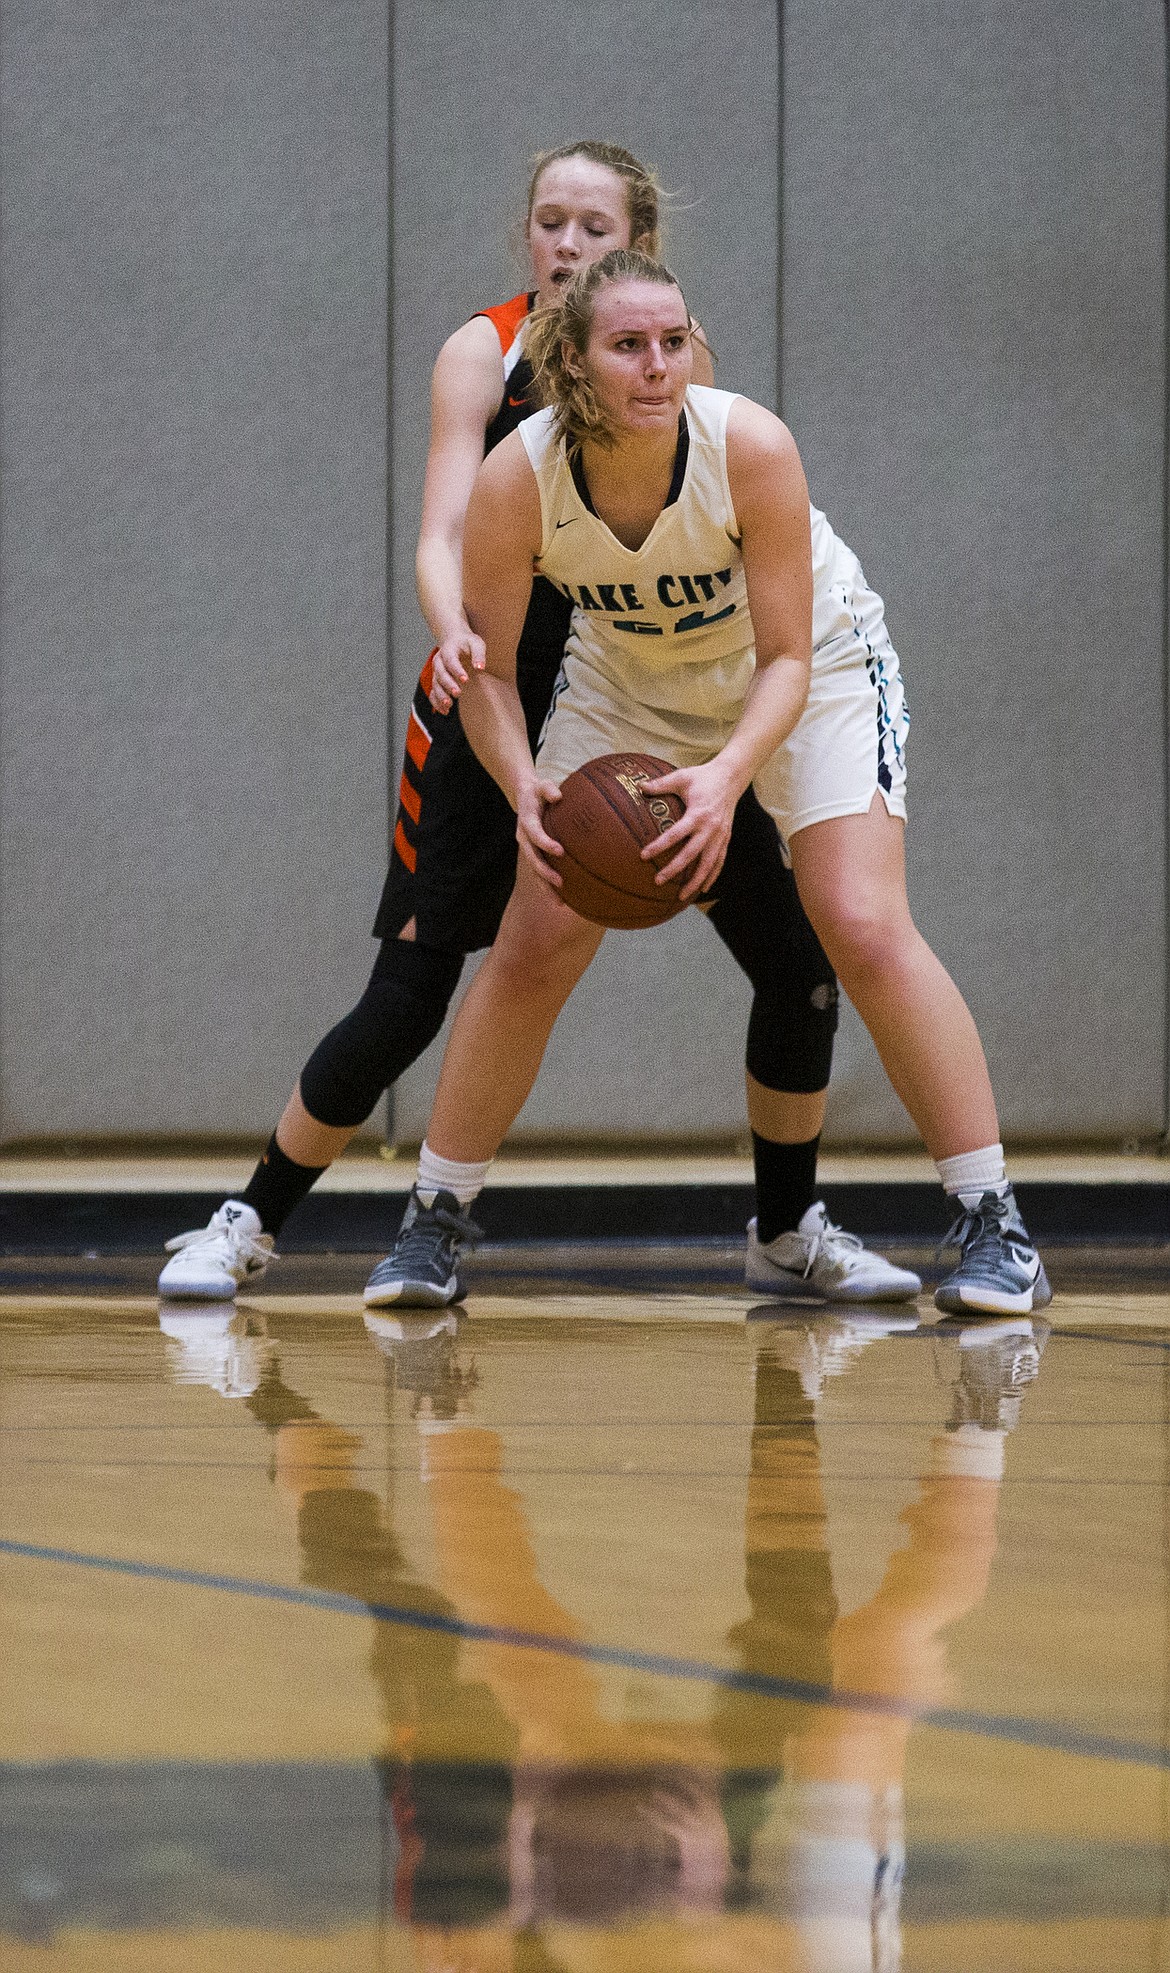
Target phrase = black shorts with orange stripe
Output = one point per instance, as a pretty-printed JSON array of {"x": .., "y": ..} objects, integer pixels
[{"x": 453, "y": 856}]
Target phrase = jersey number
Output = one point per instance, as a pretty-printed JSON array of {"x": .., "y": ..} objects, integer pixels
[{"x": 697, "y": 619}]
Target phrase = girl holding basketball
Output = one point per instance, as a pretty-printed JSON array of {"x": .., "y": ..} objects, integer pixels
[
  {"x": 632, "y": 480},
  {"x": 454, "y": 854}
]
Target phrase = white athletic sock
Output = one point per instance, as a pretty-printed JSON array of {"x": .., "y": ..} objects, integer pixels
[
  {"x": 437, "y": 1174},
  {"x": 973, "y": 1173},
  {"x": 970, "y": 1453}
]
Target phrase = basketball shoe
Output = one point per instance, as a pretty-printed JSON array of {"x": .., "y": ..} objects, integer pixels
[
  {"x": 423, "y": 1270},
  {"x": 997, "y": 1362},
  {"x": 211, "y": 1263},
  {"x": 827, "y": 1345},
  {"x": 820, "y": 1262},
  {"x": 1000, "y": 1271},
  {"x": 420, "y": 1347},
  {"x": 217, "y": 1345}
]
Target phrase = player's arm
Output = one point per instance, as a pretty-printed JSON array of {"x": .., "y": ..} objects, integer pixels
[
  {"x": 465, "y": 391},
  {"x": 770, "y": 496},
  {"x": 501, "y": 542}
]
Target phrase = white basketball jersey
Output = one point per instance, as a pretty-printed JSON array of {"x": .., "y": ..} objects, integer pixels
[{"x": 668, "y": 622}]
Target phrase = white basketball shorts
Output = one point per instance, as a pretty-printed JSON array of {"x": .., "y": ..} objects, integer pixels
[{"x": 848, "y": 745}]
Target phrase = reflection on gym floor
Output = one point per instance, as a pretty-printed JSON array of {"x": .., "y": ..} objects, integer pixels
[{"x": 505, "y": 1641}]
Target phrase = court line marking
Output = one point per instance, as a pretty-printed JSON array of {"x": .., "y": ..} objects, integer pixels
[
  {"x": 1048, "y": 1735},
  {"x": 1120, "y": 1342}
]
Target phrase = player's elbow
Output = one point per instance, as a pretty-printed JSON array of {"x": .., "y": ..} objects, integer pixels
[
  {"x": 439, "y": 549},
  {"x": 804, "y": 681},
  {"x": 788, "y": 674}
]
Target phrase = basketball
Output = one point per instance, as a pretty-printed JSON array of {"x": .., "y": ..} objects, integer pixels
[{"x": 603, "y": 821}]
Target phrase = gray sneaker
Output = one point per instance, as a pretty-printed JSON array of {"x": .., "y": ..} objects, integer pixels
[
  {"x": 820, "y": 1262},
  {"x": 423, "y": 1270},
  {"x": 1000, "y": 1272},
  {"x": 997, "y": 1362}
]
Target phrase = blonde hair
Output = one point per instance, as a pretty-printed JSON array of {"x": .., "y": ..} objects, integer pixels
[
  {"x": 566, "y": 324},
  {"x": 643, "y": 192}
]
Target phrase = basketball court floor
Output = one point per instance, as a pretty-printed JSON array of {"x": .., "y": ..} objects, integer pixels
[{"x": 605, "y": 1625}]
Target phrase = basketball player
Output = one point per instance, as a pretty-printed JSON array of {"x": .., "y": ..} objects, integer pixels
[
  {"x": 454, "y": 854},
  {"x": 637, "y": 492}
]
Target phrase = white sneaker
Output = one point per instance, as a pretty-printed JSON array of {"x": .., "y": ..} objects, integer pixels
[
  {"x": 218, "y": 1345},
  {"x": 820, "y": 1262},
  {"x": 827, "y": 1346},
  {"x": 211, "y": 1262}
]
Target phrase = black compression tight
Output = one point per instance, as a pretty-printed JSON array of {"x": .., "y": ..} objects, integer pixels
[
  {"x": 794, "y": 1012},
  {"x": 397, "y": 1017},
  {"x": 790, "y": 1032}
]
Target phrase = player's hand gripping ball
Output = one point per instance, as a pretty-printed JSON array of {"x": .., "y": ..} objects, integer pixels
[{"x": 603, "y": 822}]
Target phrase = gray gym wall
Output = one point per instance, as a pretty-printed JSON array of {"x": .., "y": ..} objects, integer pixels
[
  {"x": 974, "y": 342},
  {"x": 652, "y": 1042},
  {"x": 194, "y": 781},
  {"x": 192, "y": 552},
  {"x": 972, "y": 363}
]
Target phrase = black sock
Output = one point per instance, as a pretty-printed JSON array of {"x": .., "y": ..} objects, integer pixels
[
  {"x": 786, "y": 1184},
  {"x": 277, "y": 1185}
]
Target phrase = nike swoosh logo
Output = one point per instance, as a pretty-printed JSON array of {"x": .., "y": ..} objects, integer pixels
[
  {"x": 566, "y": 524},
  {"x": 516, "y": 402}
]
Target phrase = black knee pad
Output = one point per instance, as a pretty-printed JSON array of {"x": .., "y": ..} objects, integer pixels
[
  {"x": 790, "y": 1036},
  {"x": 763, "y": 924},
  {"x": 757, "y": 911},
  {"x": 398, "y": 1015}
]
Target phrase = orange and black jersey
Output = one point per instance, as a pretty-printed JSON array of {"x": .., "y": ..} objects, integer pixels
[
  {"x": 519, "y": 399},
  {"x": 546, "y": 626},
  {"x": 454, "y": 852}
]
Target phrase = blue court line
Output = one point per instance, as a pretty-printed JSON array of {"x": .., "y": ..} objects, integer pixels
[{"x": 1047, "y": 1734}]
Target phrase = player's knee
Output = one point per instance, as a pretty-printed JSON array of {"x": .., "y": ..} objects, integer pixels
[
  {"x": 541, "y": 944},
  {"x": 859, "y": 928},
  {"x": 342, "y": 1079},
  {"x": 860, "y": 941},
  {"x": 790, "y": 1036},
  {"x": 539, "y": 971},
  {"x": 397, "y": 1017}
]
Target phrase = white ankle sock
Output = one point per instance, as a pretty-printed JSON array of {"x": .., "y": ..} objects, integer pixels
[
  {"x": 437, "y": 1174},
  {"x": 970, "y": 1453},
  {"x": 972, "y": 1173}
]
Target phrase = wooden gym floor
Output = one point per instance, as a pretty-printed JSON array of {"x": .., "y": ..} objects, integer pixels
[{"x": 597, "y": 1628}]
